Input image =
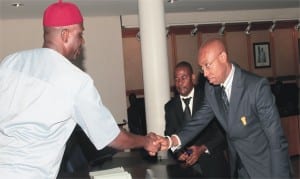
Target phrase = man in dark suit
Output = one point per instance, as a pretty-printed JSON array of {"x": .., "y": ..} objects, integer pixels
[
  {"x": 207, "y": 150},
  {"x": 247, "y": 112}
]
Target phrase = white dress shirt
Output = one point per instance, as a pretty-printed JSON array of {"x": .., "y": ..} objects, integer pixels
[
  {"x": 42, "y": 97},
  {"x": 228, "y": 82},
  {"x": 190, "y": 95}
]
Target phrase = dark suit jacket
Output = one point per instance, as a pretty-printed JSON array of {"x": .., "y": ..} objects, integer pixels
[
  {"x": 260, "y": 142},
  {"x": 212, "y": 137}
]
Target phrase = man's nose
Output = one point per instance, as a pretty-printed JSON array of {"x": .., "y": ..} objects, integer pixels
[
  {"x": 205, "y": 72},
  {"x": 179, "y": 82}
]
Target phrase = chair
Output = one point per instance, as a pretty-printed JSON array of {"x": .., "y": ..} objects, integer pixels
[
  {"x": 136, "y": 115},
  {"x": 82, "y": 155}
]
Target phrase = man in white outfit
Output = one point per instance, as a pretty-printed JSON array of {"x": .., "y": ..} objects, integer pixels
[{"x": 43, "y": 96}]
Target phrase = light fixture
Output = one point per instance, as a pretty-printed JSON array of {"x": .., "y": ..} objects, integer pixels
[
  {"x": 222, "y": 29},
  {"x": 167, "y": 31},
  {"x": 272, "y": 27},
  {"x": 200, "y": 9},
  {"x": 194, "y": 31},
  {"x": 138, "y": 36},
  {"x": 248, "y": 28},
  {"x": 297, "y": 26},
  {"x": 17, "y": 4},
  {"x": 171, "y": 1}
]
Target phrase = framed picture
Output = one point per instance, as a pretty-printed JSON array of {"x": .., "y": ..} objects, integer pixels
[{"x": 262, "y": 55}]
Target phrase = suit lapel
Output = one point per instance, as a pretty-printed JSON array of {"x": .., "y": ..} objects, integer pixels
[
  {"x": 198, "y": 97},
  {"x": 179, "y": 110},
  {"x": 236, "y": 95},
  {"x": 217, "y": 105}
]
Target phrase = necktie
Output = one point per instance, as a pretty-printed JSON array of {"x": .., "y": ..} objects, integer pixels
[
  {"x": 187, "y": 111},
  {"x": 224, "y": 99}
]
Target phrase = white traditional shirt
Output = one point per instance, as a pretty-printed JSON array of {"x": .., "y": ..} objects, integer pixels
[{"x": 42, "y": 97}]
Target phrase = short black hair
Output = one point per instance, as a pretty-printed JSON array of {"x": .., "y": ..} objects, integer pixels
[{"x": 186, "y": 65}]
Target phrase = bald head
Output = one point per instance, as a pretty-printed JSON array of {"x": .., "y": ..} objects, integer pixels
[
  {"x": 213, "y": 60},
  {"x": 213, "y": 46}
]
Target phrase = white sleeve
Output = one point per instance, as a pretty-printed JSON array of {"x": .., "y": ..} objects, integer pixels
[{"x": 93, "y": 117}]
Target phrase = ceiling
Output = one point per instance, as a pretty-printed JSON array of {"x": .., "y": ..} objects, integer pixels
[{"x": 34, "y": 8}]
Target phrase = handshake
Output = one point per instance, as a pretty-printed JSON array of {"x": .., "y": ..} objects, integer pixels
[{"x": 155, "y": 143}]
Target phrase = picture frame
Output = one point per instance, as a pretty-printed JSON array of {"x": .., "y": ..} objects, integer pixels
[{"x": 261, "y": 52}]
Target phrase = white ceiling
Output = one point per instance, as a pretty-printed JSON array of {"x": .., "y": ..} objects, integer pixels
[{"x": 34, "y": 8}]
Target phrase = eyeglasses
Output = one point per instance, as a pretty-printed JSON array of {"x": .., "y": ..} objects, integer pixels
[{"x": 209, "y": 65}]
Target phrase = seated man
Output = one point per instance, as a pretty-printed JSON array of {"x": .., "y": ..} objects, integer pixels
[
  {"x": 136, "y": 115},
  {"x": 206, "y": 152}
]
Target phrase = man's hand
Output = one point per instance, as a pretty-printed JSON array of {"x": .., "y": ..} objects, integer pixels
[
  {"x": 165, "y": 143},
  {"x": 183, "y": 156},
  {"x": 192, "y": 155},
  {"x": 152, "y": 143},
  {"x": 159, "y": 143}
]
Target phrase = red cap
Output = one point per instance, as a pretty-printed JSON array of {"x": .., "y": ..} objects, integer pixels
[{"x": 62, "y": 14}]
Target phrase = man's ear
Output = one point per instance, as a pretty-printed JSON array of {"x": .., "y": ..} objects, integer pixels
[
  {"x": 223, "y": 56},
  {"x": 65, "y": 35}
]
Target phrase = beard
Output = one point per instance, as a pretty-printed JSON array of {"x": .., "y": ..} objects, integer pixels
[{"x": 183, "y": 91}]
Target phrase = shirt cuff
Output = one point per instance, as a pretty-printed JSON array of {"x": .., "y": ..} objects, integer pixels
[
  {"x": 174, "y": 148},
  {"x": 170, "y": 141}
]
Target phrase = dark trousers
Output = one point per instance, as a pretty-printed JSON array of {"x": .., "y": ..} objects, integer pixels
[
  {"x": 240, "y": 170},
  {"x": 214, "y": 166}
]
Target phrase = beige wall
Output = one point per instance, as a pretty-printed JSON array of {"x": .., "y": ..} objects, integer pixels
[
  {"x": 20, "y": 34},
  {"x": 104, "y": 62},
  {"x": 103, "y": 54}
]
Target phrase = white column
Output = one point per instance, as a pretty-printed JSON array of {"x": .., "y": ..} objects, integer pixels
[{"x": 155, "y": 62}]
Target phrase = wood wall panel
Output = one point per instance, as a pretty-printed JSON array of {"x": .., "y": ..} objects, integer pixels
[
  {"x": 238, "y": 40},
  {"x": 291, "y": 129},
  {"x": 172, "y": 55},
  {"x": 133, "y": 64},
  {"x": 283, "y": 43},
  {"x": 258, "y": 37},
  {"x": 284, "y": 53},
  {"x": 187, "y": 50}
]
